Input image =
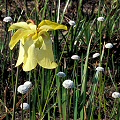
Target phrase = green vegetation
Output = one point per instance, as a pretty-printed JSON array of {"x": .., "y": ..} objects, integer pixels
[{"x": 91, "y": 96}]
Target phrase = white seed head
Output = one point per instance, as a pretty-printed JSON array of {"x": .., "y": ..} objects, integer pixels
[
  {"x": 28, "y": 84},
  {"x": 109, "y": 45},
  {"x": 100, "y": 19},
  {"x": 61, "y": 74},
  {"x": 96, "y": 55},
  {"x": 99, "y": 69},
  {"x": 72, "y": 23},
  {"x": 116, "y": 95},
  {"x": 7, "y": 19},
  {"x": 25, "y": 106},
  {"x": 68, "y": 84},
  {"x": 75, "y": 57},
  {"x": 22, "y": 89}
]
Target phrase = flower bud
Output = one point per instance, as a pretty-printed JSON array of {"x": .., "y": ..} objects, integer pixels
[
  {"x": 99, "y": 69},
  {"x": 25, "y": 106},
  {"x": 61, "y": 74},
  {"x": 7, "y": 19},
  {"x": 116, "y": 95},
  {"x": 72, "y": 23},
  {"x": 96, "y": 55},
  {"x": 68, "y": 84},
  {"x": 22, "y": 89},
  {"x": 109, "y": 45},
  {"x": 75, "y": 57},
  {"x": 28, "y": 84},
  {"x": 100, "y": 19}
]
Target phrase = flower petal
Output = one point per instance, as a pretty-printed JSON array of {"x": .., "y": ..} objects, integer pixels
[
  {"x": 32, "y": 27},
  {"x": 45, "y": 55},
  {"x": 21, "y": 55},
  {"x": 39, "y": 42},
  {"x": 19, "y": 25},
  {"x": 31, "y": 60},
  {"x": 19, "y": 34},
  {"x": 49, "y": 25}
]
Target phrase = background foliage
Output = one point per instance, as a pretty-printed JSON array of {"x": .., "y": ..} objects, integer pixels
[{"x": 91, "y": 98}]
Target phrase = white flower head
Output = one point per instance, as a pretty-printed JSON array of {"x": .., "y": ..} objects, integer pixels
[
  {"x": 72, "y": 23},
  {"x": 75, "y": 57},
  {"x": 28, "y": 84},
  {"x": 68, "y": 84},
  {"x": 100, "y": 19},
  {"x": 96, "y": 55},
  {"x": 22, "y": 89},
  {"x": 25, "y": 106},
  {"x": 61, "y": 74},
  {"x": 99, "y": 69},
  {"x": 116, "y": 95},
  {"x": 109, "y": 45},
  {"x": 7, "y": 19}
]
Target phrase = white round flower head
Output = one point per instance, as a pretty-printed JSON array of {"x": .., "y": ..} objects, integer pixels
[
  {"x": 96, "y": 55},
  {"x": 75, "y": 57},
  {"x": 100, "y": 19},
  {"x": 116, "y": 95},
  {"x": 28, "y": 84},
  {"x": 7, "y": 19},
  {"x": 99, "y": 69},
  {"x": 109, "y": 45},
  {"x": 72, "y": 23},
  {"x": 68, "y": 84},
  {"x": 22, "y": 89},
  {"x": 61, "y": 74},
  {"x": 25, "y": 106}
]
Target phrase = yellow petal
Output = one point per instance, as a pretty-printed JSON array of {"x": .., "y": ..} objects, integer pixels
[
  {"x": 32, "y": 27},
  {"x": 45, "y": 55},
  {"x": 49, "y": 25},
  {"x": 39, "y": 42},
  {"x": 19, "y": 25},
  {"x": 21, "y": 55},
  {"x": 31, "y": 60},
  {"x": 27, "y": 44},
  {"x": 35, "y": 36},
  {"x": 19, "y": 34}
]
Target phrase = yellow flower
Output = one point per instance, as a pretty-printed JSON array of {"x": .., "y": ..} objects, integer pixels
[{"x": 35, "y": 44}]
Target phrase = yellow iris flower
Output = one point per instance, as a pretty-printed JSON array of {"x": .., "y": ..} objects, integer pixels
[{"x": 35, "y": 44}]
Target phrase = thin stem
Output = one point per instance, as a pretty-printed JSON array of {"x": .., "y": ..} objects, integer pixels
[
  {"x": 68, "y": 104},
  {"x": 15, "y": 94},
  {"x": 22, "y": 118}
]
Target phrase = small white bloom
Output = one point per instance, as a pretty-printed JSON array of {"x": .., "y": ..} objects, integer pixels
[
  {"x": 25, "y": 106},
  {"x": 28, "y": 84},
  {"x": 75, "y": 57},
  {"x": 96, "y": 55},
  {"x": 99, "y": 69},
  {"x": 109, "y": 45},
  {"x": 116, "y": 95},
  {"x": 100, "y": 19},
  {"x": 61, "y": 74},
  {"x": 7, "y": 19},
  {"x": 68, "y": 84},
  {"x": 22, "y": 89},
  {"x": 72, "y": 23}
]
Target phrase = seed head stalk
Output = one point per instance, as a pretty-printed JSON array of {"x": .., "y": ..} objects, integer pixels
[{"x": 15, "y": 95}]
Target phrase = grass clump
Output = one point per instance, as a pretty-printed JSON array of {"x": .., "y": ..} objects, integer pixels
[{"x": 94, "y": 78}]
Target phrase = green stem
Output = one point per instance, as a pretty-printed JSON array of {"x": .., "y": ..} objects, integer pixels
[
  {"x": 68, "y": 104},
  {"x": 15, "y": 94},
  {"x": 118, "y": 117},
  {"x": 22, "y": 118}
]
